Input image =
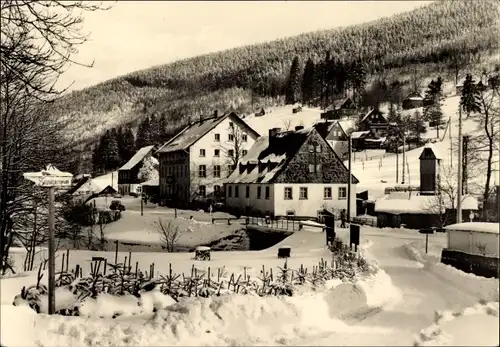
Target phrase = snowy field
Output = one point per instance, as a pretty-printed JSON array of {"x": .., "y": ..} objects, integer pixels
[{"x": 389, "y": 307}]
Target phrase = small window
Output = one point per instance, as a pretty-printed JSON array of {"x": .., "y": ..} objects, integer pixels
[
  {"x": 268, "y": 193},
  {"x": 230, "y": 169},
  {"x": 318, "y": 148},
  {"x": 318, "y": 167},
  {"x": 259, "y": 192},
  {"x": 229, "y": 191},
  {"x": 216, "y": 170},
  {"x": 217, "y": 137},
  {"x": 202, "y": 191},
  {"x": 327, "y": 193},
  {"x": 231, "y": 124},
  {"x": 311, "y": 148},
  {"x": 342, "y": 193},
  {"x": 244, "y": 138},
  {"x": 311, "y": 168},
  {"x": 230, "y": 137},
  {"x": 202, "y": 152},
  {"x": 236, "y": 191},
  {"x": 216, "y": 152},
  {"x": 202, "y": 171},
  {"x": 303, "y": 193},
  {"x": 247, "y": 192},
  {"x": 230, "y": 153},
  {"x": 244, "y": 152},
  {"x": 288, "y": 193}
]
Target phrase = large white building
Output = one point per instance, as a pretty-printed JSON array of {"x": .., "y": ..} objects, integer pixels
[
  {"x": 291, "y": 173},
  {"x": 195, "y": 162}
]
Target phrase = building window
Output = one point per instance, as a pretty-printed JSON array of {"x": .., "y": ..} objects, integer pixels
[
  {"x": 216, "y": 170},
  {"x": 202, "y": 191},
  {"x": 217, "y": 190},
  {"x": 202, "y": 171},
  {"x": 303, "y": 193},
  {"x": 327, "y": 193},
  {"x": 230, "y": 153},
  {"x": 259, "y": 192},
  {"x": 247, "y": 192},
  {"x": 217, "y": 137},
  {"x": 318, "y": 167},
  {"x": 314, "y": 168},
  {"x": 342, "y": 193},
  {"x": 236, "y": 191},
  {"x": 244, "y": 138},
  {"x": 231, "y": 124},
  {"x": 230, "y": 169},
  {"x": 202, "y": 152},
  {"x": 311, "y": 168},
  {"x": 318, "y": 148},
  {"x": 216, "y": 152},
  {"x": 229, "y": 191},
  {"x": 268, "y": 193},
  {"x": 244, "y": 152},
  {"x": 288, "y": 193},
  {"x": 230, "y": 137},
  {"x": 311, "y": 148}
]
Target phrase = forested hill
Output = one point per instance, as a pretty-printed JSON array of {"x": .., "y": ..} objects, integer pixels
[{"x": 431, "y": 38}]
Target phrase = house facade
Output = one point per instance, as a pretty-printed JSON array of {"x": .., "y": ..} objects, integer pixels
[
  {"x": 413, "y": 100},
  {"x": 335, "y": 135},
  {"x": 374, "y": 121},
  {"x": 340, "y": 108},
  {"x": 128, "y": 179},
  {"x": 291, "y": 173},
  {"x": 194, "y": 163}
]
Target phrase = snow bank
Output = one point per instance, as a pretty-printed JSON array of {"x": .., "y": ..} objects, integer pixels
[
  {"x": 485, "y": 288},
  {"x": 474, "y": 326}
]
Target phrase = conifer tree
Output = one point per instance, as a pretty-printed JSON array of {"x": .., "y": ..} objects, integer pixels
[
  {"x": 292, "y": 91},
  {"x": 143, "y": 134},
  {"x": 109, "y": 150},
  {"x": 469, "y": 100},
  {"x": 126, "y": 144},
  {"x": 308, "y": 82},
  {"x": 432, "y": 108}
]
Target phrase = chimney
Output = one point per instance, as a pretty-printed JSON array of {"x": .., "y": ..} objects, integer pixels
[
  {"x": 299, "y": 127},
  {"x": 216, "y": 113}
]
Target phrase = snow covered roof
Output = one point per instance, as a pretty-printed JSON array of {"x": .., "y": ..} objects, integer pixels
[
  {"x": 277, "y": 151},
  {"x": 414, "y": 96},
  {"x": 359, "y": 134},
  {"x": 152, "y": 183},
  {"x": 137, "y": 158},
  {"x": 403, "y": 203},
  {"x": 374, "y": 110},
  {"x": 195, "y": 131},
  {"x": 483, "y": 227},
  {"x": 430, "y": 151},
  {"x": 324, "y": 128}
]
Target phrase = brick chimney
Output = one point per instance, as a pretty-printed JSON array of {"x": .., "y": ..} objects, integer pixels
[
  {"x": 274, "y": 131},
  {"x": 299, "y": 127},
  {"x": 216, "y": 113}
]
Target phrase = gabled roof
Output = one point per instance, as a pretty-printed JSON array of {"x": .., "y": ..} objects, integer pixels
[
  {"x": 195, "y": 131},
  {"x": 324, "y": 128},
  {"x": 414, "y": 96},
  {"x": 337, "y": 104},
  {"x": 137, "y": 158},
  {"x": 430, "y": 152},
  {"x": 77, "y": 186},
  {"x": 280, "y": 150},
  {"x": 370, "y": 112}
]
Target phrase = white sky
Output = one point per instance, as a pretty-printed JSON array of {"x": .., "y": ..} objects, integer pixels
[{"x": 134, "y": 35}]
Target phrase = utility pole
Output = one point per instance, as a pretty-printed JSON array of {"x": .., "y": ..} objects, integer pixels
[
  {"x": 404, "y": 157},
  {"x": 459, "y": 167},
  {"x": 52, "y": 260},
  {"x": 349, "y": 185},
  {"x": 451, "y": 147},
  {"x": 397, "y": 160},
  {"x": 465, "y": 143}
]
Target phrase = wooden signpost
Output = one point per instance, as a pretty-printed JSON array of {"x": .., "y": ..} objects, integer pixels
[
  {"x": 426, "y": 232},
  {"x": 51, "y": 178}
]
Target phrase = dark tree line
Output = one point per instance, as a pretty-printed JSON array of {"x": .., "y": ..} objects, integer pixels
[{"x": 116, "y": 146}]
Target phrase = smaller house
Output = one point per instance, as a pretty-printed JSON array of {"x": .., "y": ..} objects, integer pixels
[
  {"x": 335, "y": 135},
  {"x": 151, "y": 189},
  {"x": 374, "y": 121},
  {"x": 128, "y": 179},
  {"x": 413, "y": 100},
  {"x": 340, "y": 108},
  {"x": 368, "y": 139}
]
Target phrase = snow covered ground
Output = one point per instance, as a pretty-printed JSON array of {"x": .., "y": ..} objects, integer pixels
[{"x": 390, "y": 307}]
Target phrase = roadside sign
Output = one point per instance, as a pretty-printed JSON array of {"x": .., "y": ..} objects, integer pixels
[
  {"x": 426, "y": 231},
  {"x": 54, "y": 181}
]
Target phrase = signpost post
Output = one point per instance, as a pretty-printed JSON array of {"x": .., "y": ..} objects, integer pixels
[
  {"x": 426, "y": 232},
  {"x": 354, "y": 236},
  {"x": 51, "y": 178}
]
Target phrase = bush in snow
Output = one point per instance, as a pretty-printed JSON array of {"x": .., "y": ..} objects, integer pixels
[{"x": 82, "y": 296}]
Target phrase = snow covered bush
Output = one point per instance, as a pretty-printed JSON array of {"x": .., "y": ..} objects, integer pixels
[{"x": 149, "y": 169}]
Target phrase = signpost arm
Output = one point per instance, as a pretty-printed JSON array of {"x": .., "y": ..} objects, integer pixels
[
  {"x": 426, "y": 242},
  {"x": 52, "y": 262}
]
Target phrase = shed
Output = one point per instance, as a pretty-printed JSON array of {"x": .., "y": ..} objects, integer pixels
[
  {"x": 151, "y": 188},
  {"x": 413, "y": 100},
  {"x": 473, "y": 247}
]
